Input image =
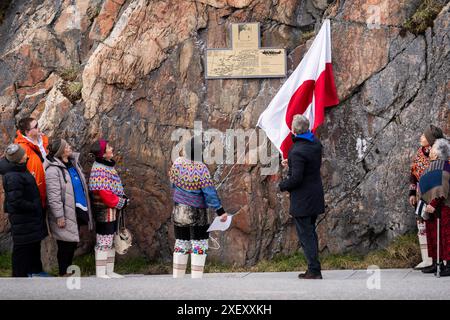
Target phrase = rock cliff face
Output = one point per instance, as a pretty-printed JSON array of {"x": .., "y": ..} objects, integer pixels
[{"x": 140, "y": 65}]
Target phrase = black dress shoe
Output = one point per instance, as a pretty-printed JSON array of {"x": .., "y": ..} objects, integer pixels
[
  {"x": 445, "y": 272},
  {"x": 309, "y": 275},
  {"x": 430, "y": 269}
]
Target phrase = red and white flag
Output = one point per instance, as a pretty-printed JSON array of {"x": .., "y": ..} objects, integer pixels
[{"x": 308, "y": 91}]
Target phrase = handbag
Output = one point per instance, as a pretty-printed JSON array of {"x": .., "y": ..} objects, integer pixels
[{"x": 122, "y": 237}]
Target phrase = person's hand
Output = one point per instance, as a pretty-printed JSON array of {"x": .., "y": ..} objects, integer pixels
[
  {"x": 412, "y": 200},
  {"x": 429, "y": 209},
  {"x": 61, "y": 222},
  {"x": 284, "y": 162},
  {"x": 223, "y": 217}
]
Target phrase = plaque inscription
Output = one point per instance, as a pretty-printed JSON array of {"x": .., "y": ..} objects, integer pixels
[{"x": 245, "y": 59}]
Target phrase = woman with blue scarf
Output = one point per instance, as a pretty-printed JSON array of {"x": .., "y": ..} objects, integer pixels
[{"x": 68, "y": 200}]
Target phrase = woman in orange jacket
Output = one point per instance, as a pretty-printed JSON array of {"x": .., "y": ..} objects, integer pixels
[{"x": 35, "y": 145}]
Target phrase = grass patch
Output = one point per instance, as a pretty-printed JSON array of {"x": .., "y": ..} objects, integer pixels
[
  {"x": 69, "y": 74},
  {"x": 308, "y": 35},
  {"x": 403, "y": 252},
  {"x": 135, "y": 265},
  {"x": 71, "y": 87},
  {"x": 5, "y": 265},
  {"x": 86, "y": 263},
  {"x": 72, "y": 90},
  {"x": 424, "y": 16}
]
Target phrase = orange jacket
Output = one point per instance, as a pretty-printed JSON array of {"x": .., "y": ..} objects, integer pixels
[{"x": 34, "y": 164}]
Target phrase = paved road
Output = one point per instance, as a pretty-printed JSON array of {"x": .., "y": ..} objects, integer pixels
[{"x": 337, "y": 284}]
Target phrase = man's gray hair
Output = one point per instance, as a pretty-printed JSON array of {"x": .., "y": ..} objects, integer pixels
[
  {"x": 442, "y": 149},
  {"x": 300, "y": 124}
]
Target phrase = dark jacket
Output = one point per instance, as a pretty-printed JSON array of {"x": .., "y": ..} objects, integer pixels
[
  {"x": 22, "y": 203},
  {"x": 304, "y": 182}
]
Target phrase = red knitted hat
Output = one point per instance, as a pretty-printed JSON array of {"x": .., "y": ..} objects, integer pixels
[{"x": 99, "y": 148}]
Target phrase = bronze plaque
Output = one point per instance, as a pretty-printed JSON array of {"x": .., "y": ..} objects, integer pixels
[{"x": 245, "y": 59}]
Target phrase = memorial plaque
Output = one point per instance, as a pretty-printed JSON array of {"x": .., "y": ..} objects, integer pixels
[{"x": 245, "y": 59}]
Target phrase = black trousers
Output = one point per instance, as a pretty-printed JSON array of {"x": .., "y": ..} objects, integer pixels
[
  {"x": 26, "y": 259},
  {"x": 66, "y": 251},
  {"x": 191, "y": 233},
  {"x": 306, "y": 231}
]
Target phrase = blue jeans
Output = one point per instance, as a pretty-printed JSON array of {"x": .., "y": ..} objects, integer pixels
[{"x": 306, "y": 231}]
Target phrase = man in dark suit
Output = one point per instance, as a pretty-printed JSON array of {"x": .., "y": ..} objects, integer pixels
[{"x": 304, "y": 184}]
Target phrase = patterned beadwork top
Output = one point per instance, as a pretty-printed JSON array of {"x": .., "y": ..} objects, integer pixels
[
  {"x": 190, "y": 175},
  {"x": 105, "y": 178}
]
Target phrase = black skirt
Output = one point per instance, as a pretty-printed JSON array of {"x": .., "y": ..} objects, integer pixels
[
  {"x": 187, "y": 216},
  {"x": 106, "y": 228}
]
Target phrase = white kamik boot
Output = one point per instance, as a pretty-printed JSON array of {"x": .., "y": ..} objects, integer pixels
[
  {"x": 180, "y": 257},
  {"x": 179, "y": 264},
  {"x": 101, "y": 258},
  {"x": 110, "y": 265},
  {"x": 197, "y": 265},
  {"x": 426, "y": 260}
]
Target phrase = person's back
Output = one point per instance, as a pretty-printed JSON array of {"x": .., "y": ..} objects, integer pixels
[
  {"x": 193, "y": 192},
  {"x": 22, "y": 203},
  {"x": 305, "y": 182},
  {"x": 25, "y": 213},
  {"x": 312, "y": 153}
]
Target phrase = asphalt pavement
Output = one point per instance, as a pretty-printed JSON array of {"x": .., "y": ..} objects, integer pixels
[{"x": 336, "y": 285}]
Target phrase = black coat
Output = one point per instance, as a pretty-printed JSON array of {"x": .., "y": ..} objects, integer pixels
[
  {"x": 22, "y": 203},
  {"x": 304, "y": 182}
]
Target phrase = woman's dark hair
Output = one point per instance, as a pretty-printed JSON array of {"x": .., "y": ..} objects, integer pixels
[
  {"x": 95, "y": 147},
  {"x": 194, "y": 149},
  {"x": 24, "y": 125}
]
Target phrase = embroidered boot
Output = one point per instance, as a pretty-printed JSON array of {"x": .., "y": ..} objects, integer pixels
[
  {"x": 198, "y": 257},
  {"x": 197, "y": 265},
  {"x": 110, "y": 265},
  {"x": 426, "y": 260},
  {"x": 181, "y": 252},
  {"x": 179, "y": 264},
  {"x": 101, "y": 258}
]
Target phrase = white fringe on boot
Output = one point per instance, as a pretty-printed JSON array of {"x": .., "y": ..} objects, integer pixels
[
  {"x": 110, "y": 265},
  {"x": 179, "y": 264},
  {"x": 197, "y": 265},
  {"x": 101, "y": 258}
]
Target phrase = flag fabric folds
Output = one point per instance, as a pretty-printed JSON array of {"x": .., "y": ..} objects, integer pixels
[{"x": 308, "y": 91}]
